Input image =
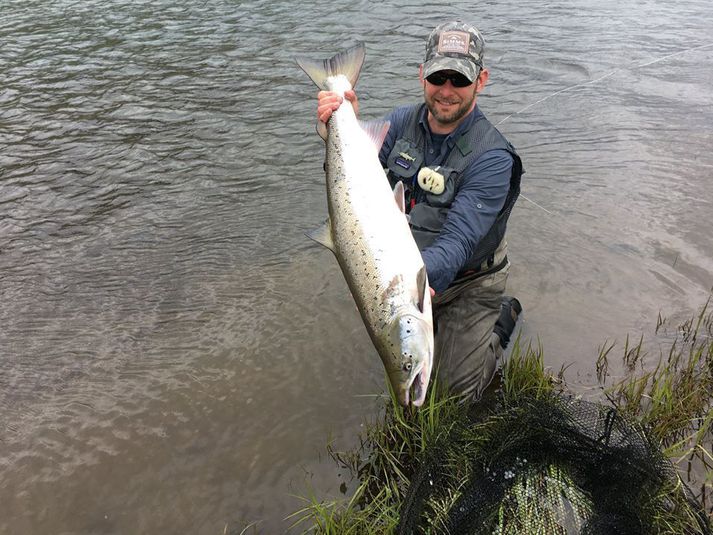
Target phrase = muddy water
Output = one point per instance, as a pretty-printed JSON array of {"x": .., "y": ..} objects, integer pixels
[{"x": 174, "y": 354}]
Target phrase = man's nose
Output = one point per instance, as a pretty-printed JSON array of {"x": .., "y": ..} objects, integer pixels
[{"x": 448, "y": 86}]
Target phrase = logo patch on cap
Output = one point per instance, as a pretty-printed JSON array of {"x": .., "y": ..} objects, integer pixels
[{"x": 454, "y": 42}]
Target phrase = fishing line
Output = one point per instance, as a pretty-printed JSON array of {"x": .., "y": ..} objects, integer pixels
[
  {"x": 584, "y": 84},
  {"x": 533, "y": 202}
]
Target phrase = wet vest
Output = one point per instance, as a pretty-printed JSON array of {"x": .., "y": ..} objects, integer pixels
[{"x": 430, "y": 211}]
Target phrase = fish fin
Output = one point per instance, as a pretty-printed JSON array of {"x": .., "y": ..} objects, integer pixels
[
  {"x": 399, "y": 197},
  {"x": 376, "y": 130},
  {"x": 323, "y": 235},
  {"x": 423, "y": 289},
  {"x": 348, "y": 62},
  {"x": 322, "y": 130}
]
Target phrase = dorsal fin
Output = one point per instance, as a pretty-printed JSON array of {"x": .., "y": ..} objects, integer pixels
[{"x": 376, "y": 131}]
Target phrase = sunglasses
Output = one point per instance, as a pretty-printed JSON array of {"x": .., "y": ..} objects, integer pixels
[{"x": 456, "y": 78}]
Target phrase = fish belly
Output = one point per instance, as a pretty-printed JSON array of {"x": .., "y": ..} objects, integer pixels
[{"x": 372, "y": 238}]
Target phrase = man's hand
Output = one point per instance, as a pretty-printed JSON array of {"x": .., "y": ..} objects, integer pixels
[
  {"x": 433, "y": 292},
  {"x": 328, "y": 101}
]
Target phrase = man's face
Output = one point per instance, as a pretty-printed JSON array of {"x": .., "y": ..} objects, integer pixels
[{"x": 447, "y": 103}]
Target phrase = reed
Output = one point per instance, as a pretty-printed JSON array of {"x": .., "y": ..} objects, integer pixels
[{"x": 673, "y": 397}]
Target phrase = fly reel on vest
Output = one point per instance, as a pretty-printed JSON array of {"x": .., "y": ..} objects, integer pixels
[{"x": 431, "y": 180}]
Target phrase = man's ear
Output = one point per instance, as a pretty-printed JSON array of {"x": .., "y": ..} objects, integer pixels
[{"x": 482, "y": 79}]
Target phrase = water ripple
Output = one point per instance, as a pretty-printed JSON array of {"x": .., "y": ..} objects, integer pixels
[{"x": 162, "y": 309}]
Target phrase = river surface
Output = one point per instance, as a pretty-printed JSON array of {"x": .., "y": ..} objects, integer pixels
[{"x": 175, "y": 355}]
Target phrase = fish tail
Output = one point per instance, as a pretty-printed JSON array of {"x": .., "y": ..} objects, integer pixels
[{"x": 348, "y": 63}]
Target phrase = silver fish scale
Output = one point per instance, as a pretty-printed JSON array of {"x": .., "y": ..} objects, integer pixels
[{"x": 371, "y": 235}]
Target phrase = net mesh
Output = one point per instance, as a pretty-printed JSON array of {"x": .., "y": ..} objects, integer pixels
[{"x": 548, "y": 466}]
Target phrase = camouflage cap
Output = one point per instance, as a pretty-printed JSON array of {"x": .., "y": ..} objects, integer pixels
[{"x": 454, "y": 46}]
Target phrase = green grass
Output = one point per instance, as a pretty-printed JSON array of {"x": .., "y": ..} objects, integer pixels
[
  {"x": 674, "y": 399},
  {"x": 392, "y": 447},
  {"x": 383, "y": 465},
  {"x": 671, "y": 398}
]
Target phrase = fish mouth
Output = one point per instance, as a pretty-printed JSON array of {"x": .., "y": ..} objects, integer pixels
[
  {"x": 414, "y": 391},
  {"x": 419, "y": 384}
]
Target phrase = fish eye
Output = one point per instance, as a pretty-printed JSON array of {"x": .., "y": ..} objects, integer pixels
[{"x": 408, "y": 366}]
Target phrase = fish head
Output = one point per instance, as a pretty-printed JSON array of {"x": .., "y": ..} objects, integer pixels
[{"x": 410, "y": 356}]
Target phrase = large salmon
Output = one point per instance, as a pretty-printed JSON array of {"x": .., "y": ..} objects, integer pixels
[{"x": 369, "y": 234}]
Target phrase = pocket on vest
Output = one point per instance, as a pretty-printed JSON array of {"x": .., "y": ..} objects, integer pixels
[{"x": 426, "y": 222}]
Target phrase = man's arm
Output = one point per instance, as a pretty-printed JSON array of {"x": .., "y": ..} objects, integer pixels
[{"x": 482, "y": 194}]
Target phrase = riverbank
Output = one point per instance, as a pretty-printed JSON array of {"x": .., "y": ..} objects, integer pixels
[{"x": 665, "y": 398}]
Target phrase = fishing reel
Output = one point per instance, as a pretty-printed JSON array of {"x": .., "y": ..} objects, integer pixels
[{"x": 431, "y": 180}]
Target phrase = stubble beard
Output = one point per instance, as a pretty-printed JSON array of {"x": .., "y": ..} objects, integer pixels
[{"x": 446, "y": 119}]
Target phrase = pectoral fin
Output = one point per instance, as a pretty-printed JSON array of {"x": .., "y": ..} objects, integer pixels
[
  {"x": 423, "y": 289},
  {"x": 399, "y": 196},
  {"x": 323, "y": 235}
]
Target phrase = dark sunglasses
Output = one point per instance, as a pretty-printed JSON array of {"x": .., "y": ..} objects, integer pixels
[{"x": 456, "y": 78}]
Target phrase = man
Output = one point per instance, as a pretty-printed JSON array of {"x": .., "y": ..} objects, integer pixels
[{"x": 462, "y": 178}]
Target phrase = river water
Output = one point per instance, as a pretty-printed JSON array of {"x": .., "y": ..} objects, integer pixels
[{"x": 175, "y": 355}]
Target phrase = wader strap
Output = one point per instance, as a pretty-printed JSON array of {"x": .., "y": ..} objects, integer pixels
[{"x": 472, "y": 274}]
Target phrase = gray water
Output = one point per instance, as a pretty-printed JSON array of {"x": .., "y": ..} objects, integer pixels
[{"x": 175, "y": 355}]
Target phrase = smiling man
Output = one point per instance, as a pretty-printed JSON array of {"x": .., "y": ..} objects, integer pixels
[{"x": 461, "y": 178}]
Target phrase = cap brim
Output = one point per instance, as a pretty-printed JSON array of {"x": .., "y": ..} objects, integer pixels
[{"x": 443, "y": 63}]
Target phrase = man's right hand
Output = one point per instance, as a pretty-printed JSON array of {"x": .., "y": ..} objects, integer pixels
[{"x": 329, "y": 101}]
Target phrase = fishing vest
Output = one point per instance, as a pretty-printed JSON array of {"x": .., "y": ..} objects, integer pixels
[{"x": 429, "y": 213}]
